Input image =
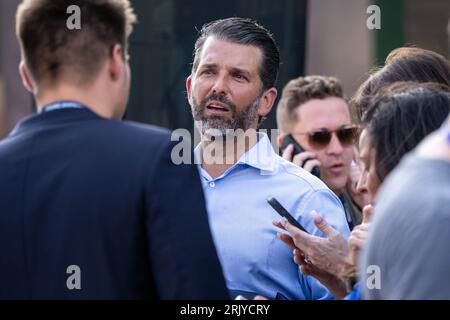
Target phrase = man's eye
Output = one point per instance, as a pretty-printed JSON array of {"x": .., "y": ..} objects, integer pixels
[{"x": 207, "y": 72}]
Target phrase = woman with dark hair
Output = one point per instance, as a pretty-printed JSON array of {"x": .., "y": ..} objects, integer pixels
[
  {"x": 397, "y": 118},
  {"x": 413, "y": 201},
  {"x": 402, "y": 64}
]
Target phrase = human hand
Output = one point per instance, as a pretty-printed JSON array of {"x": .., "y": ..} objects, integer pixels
[
  {"x": 333, "y": 283},
  {"x": 358, "y": 237},
  {"x": 329, "y": 254},
  {"x": 307, "y": 160}
]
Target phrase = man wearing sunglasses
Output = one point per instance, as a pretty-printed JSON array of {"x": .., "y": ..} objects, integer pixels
[{"x": 317, "y": 134}]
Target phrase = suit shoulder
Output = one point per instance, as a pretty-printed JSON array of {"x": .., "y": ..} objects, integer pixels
[
  {"x": 135, "y": 134},
  {"x": 136, "y": 128}
]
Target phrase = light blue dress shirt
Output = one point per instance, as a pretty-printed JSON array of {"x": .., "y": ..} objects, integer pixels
[{"x": 253, "y": 258}]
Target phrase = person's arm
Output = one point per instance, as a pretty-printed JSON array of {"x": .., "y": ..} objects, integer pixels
[{"x": 182, "y": 254}]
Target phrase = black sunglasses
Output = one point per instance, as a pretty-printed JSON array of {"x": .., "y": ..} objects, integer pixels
[{"x": 321, "y": 138}]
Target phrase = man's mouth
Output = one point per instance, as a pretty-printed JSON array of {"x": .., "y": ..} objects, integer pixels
[
  {"x": 338, "y": 167},
  {"x": 217, "y": 108}
]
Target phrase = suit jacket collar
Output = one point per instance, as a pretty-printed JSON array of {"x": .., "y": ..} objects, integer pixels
[{"x": 40, "y": 120}]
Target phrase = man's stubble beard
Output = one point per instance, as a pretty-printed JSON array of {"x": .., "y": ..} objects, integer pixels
[{"x": 223, "y": 126}]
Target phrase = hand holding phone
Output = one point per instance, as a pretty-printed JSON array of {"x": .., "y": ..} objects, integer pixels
[
  {"x": 289, "y": 139},
  {"x": 284, "y": 213}
]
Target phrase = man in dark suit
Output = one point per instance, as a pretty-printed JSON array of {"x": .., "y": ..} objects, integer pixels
[{"x": 92, "y": 207}]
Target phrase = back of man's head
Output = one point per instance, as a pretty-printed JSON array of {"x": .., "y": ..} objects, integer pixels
[
  {"x": 299, "y": 91},
  {"x": 53, "y": 51}
]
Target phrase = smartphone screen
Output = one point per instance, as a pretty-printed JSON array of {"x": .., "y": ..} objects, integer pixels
[{"x": 284, "y": 213}]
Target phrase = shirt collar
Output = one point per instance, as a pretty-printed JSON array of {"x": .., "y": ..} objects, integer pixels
[
  {"x": 38, "y": 120},
  {"x": 261, "y": 156}
]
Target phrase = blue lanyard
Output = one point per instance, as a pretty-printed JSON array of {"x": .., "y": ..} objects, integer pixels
[{"x": 59, "y": 105}]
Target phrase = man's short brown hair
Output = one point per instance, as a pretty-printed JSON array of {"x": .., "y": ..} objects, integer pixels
[
  {"x": 300, "y": 90},
  {"x": 51, "y": 50}
]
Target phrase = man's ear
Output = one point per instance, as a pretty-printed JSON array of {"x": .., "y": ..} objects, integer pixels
[
  {"x": 267, "y": 101},
  {"x": 189, "y": 87},
  {"x": 26, "y": 79},
  {"x": 116, "y": 62}
]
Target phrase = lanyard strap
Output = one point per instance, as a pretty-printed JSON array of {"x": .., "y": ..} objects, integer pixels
[{"x": 59, "y": 105}]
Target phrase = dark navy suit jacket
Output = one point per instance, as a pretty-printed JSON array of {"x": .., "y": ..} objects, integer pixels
[{"x": 103, "y": 196}]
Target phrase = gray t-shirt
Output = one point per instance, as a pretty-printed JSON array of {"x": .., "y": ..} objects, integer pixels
[{"x": 409, "y": 244}]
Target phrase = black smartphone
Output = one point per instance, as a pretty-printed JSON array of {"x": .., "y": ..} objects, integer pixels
[
  {"x": 284, "y": 213},
  {"x": 289, "y": 139}
]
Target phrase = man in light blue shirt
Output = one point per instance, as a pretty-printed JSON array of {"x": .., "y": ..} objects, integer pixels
[{"x": 230, "y": 89}]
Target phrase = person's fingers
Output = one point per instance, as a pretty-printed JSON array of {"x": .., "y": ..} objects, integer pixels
[
  {"x": 286, "y": 239},
  {"x": 287, "y": 153},
  {"x": 355, "y": 248},
  {"x": 278, "y": 224},
  {"x": 310, "y": 164},
  {"x": 362, "y": 227},
  {"x": 300, "y": 238},
  {"x": 299, "y": 257},
  {"x": 307, "y": 270},
  {"x": 298, "y": 253},
  {"x": 359, "y": 235},
  {"x": 366, "y": 227},
  {"x": 299, "y": 260},
  {"x": 367, "y": 213},
  {"x": 260, "y": 298},
  {"x": 300, "y": 158},
  {"x": 356, "y": 244},
  {"x": 356, "y": 233},
  {"x": 323, "y": 225}
]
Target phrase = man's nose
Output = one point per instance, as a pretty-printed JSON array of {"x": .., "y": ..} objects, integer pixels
[
  {"x": 335, "y": 146},
  {"x": 220, "y": 85}
]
